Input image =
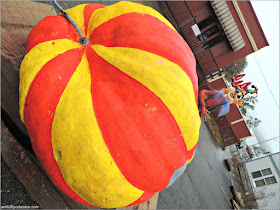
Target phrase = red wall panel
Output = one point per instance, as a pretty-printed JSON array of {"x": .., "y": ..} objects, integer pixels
[
  {"x": 255, "y": 29},
  {"x": 234, "y": 113},
  {"x": 240, "y": 130},
  {"x": 218, "y": 84},
  {"x": 253, "y": 24}
]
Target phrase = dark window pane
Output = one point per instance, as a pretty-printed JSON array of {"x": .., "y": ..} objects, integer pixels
[
  {"x": 211, "y": 31},
  {"x": 213, "y": 41},
  {"x": 270, "y": 180},
  {"x": 260, "y": 183},
  {"x": 256, "y": 174},
  {"x": 207, "y": 21},
  {"x": 206, "y": 34},
  {"x": 266, "y": 172}
]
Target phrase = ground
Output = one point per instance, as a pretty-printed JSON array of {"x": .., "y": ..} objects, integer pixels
[{"x": 12, "y": 190}]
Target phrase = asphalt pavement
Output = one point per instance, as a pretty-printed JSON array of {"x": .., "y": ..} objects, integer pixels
[{"x": 206, "y": 181}]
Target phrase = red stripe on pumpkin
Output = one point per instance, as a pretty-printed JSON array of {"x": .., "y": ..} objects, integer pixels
[
  {"x": 147, "y": 33},
  {"x": 190, "y": 153},
  {"x": 51, "y": 28},
  {"x": 41, "y": 102},
  {"x": 145, "y": 197},
  {"x": 148, "y": 195},
  {"x": 88, "y": 10},
  {"x": 137, "y": 127}
]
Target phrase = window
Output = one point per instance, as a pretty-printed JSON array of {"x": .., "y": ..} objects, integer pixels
[
  {"x": 256, "y": 174},
  {"x": 215, "y": 29},
  {"x": 265, "y": 181},
  {"x": 213, "y": 41},
  {"x": 206, "y": 22},
  {"x": 266, "y": 178},
  {"x": 260, "y": 183},
  {"x": 270, "y": 180},
  {"x": 261, "y": 173},
  {"x": 266, "y": 172},
  {"x": 206, "y": 34}
]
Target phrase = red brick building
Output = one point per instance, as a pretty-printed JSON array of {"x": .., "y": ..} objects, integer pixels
[{"x": 219, "y": 33}]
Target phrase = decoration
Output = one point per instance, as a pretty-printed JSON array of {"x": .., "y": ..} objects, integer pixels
[
  {"x": 212, "y": 100},
  {"x": 238, "y": 84},
  {"x": 114, "y": 120}
]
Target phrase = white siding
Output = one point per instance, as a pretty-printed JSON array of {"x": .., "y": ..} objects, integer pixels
[
  {"x": 276, "y": 158},
  {"x": 268, "y": 197}
]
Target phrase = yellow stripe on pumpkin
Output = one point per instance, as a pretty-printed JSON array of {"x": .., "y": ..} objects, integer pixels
[
  {"x": 83, "y": 157},
  {"x": 30, "y": 67},
  {"x": 191, "y": 159},
  {"x": 101, "y": 16},
  {"x": 77, "y": 14},
  {"x": 164, "y": 78}
]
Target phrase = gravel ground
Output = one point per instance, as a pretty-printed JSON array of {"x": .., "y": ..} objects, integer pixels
[{"x": 13, "y": 193}]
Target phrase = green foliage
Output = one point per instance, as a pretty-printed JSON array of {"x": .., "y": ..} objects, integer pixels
[
  {"x": 253, "y": 122},
  {"x": 234, "y": 69},
  {"x": 257, "y": 150},
  {"x": 249, "y": 102}
]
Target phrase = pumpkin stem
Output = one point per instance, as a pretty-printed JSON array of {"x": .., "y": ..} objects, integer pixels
[{"x": 84, "y": 40}]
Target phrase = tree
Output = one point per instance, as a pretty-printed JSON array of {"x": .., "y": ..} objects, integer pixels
[
  {"x": 253, "y": 122},
  {"x": 234, "y": 69},
  {"x": 258, "y": 150},
  {"x": 249, "y": 102}
]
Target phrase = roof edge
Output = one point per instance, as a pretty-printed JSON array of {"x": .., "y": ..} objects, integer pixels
[{"x": 257, "y": 20}]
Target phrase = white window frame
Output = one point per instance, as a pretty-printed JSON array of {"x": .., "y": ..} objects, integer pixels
[{"x": 263, "y": 177}]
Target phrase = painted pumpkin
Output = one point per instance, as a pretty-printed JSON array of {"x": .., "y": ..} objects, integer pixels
[{"x": 115, "y": 121}]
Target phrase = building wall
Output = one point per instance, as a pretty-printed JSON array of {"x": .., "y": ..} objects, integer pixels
[
  {"x": 254, "y": 27},
  {"x": 184, "y": 14},
  {"x": 234, "y": 113},
  {"x": 179, "y": 14},
  {"x": 223, "y": 53},
  {"x": 253, "y": 24},
  {"x": 218, "y": 84},
  {"x": 241, "y": 130},
  {"x": 201, "y": 10},
  {"x": 268, "y": 197}
]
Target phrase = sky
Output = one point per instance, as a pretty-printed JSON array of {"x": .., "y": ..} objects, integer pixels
[{"x": 263, "y": 71}]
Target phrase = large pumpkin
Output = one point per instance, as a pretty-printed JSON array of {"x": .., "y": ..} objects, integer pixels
[{"x": 115, "y": 121}]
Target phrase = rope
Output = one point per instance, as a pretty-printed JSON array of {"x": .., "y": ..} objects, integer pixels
[{"x": 84, "y": 40}]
